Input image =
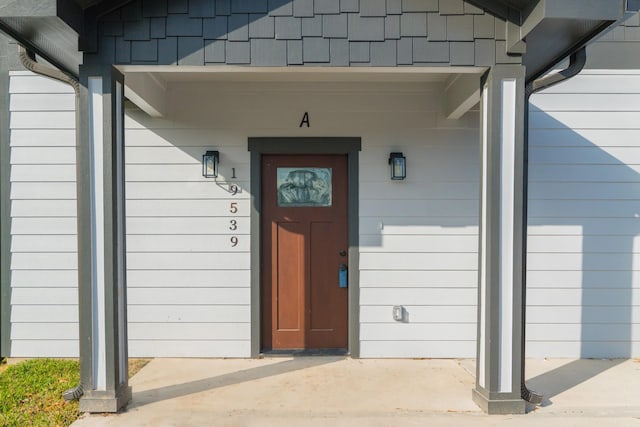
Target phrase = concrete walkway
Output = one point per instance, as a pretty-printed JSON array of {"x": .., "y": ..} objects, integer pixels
[{"x": 339, "y": 391}]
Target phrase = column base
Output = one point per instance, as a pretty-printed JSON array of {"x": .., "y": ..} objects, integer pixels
[
  {"x": 105, "y": 401},
  {"x": 499, "y": 407}
]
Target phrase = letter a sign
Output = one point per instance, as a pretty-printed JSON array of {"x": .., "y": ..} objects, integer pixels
[{"x": 305, "y": 120}]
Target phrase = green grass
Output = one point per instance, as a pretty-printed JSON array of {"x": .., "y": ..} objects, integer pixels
[{"x": 31, "y": 393}]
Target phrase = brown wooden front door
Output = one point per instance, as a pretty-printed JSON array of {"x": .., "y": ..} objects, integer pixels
[{"x": 304, "y": 246}]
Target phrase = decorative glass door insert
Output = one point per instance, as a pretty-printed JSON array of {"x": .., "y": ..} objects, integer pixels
[{"x": 300, "y": 187}]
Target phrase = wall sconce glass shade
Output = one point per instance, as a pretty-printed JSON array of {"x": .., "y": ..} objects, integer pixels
[
  {"x": 398, "y": 164},
  {"x": 210, "y": 161}
]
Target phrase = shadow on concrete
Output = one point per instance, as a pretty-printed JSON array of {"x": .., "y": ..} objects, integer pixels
[
  {"x": 228, "y": 379},
  {"x": 568, "y": 376}
]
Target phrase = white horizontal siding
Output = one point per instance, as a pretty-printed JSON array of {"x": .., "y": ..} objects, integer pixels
[
  {"x": 208, "y": 243},
  {"x": 51, "y": 155},
  {"x": 179, "y": 314},
  {"x": 43, "y": 138},
  {"x": 160, "y": 277},
  {"x": 42, "y": 119},
  {"x": 188, "y": 261},
  {"x": 577, "y": 279},
  {"x": 184, "y": 295},
  {"x": 178, "y": 222},
  {"x": 588, "y": 298},
  {"x": 188, "y": 287},
  {"x": 50, "y": 313},
  {"x": 44, "y": 294},
  {"x": 44, "y": 261},
  {"x": 171, "y": 172},
  {"x": 585, "y": 172},
  {"x": 419, "y": 225},
  {"x": 55, "y": 173},
  {"x": 419, "y": 348},
  {"x": 186, "y": 348},
  {"x": 422, "y": 314},
  {"x": 585, "y": 261},
  {"x": 28, "y": 82},
  {"x": 418, "y": 261},
  {"x": 584, "y": 205},
  {"x": 573, "y": 316},
  {"x": 557, "y": 137},
  {"x": 419, "y": 278},
  {"x": 186, "y": 225},
  {"x": 418, "y": 245},
  {"x": 35, "y": 278},
  {"x": 185, "y": 190},
  {"x": 425, "y": 210},
  {"x": 391, "y": 296},
  {"x": 189, "y": 290},
  {"x": 567, "y": 226},
  {"x": 46, "y": 102},
  {"x": 43, "y": 208},
  {"x": 582, "y": 348},
  {"x": 38, "y": 191},
  {"x": 188, "y": 331},
  {"x": 45, "y": 330},
  {"x": 372, "y": 243},
  {"x": 44, "y": 347},
  {"x": 188, "y": 208},
  {"x": 43, "y": 226}
]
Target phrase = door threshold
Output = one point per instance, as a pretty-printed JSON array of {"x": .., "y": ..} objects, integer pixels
[{"x": 305, "y": 352}]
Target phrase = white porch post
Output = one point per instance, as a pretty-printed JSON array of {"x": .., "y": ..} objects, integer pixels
[
  {"x": 101, "y": 241},
  {"x": 500, "y": 254}
]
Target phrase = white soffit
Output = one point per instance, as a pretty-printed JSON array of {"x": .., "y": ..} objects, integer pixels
[{"x": 146, "y": 85}]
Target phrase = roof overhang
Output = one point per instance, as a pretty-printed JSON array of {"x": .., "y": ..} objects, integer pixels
[
  {"x": 54, "y": 28},
  {"x": 543, "y": 31},
  {"x": 553, "y": 30}
]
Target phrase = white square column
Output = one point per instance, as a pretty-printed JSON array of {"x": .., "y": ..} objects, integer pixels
[
  {"x": 501, "y": 254},
  {"x": 101, "y": 241}
]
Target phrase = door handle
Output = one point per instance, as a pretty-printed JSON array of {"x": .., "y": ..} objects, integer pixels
[
  {"x": 342, "y": 253},
  {"x": 343, "y": 276}
]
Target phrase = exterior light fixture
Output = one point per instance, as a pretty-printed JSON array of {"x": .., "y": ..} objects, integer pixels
[
  {"x": 398, "y": 164},
  {"x": 210, "y": 161}
]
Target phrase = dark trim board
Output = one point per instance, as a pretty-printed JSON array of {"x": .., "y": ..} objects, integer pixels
[{"x": 350, "y": 146}]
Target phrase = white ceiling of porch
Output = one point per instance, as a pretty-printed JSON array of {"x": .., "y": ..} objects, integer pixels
[{"x": 146, "y": 85}]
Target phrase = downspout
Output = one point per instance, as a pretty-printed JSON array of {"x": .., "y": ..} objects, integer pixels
[
  {"x": 576, "y": 64},
  {"x": 28, "y": 59}
]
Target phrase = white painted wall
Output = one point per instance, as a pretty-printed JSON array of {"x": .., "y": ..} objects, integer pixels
[
  {"x": 584, "y": 218},
  {"x": 419, "y": 241},
  {"x": 189, "y": 291},
  {"x": 44, "y": 296}
]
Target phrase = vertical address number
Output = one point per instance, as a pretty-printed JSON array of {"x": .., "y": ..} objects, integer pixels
[{"x": 233, "y": 209}]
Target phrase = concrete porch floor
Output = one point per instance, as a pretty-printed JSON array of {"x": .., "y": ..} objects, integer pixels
[{"x": 339, "y": 391}]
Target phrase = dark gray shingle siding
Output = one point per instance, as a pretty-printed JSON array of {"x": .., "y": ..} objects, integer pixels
[{"x": 298, "y": 32}]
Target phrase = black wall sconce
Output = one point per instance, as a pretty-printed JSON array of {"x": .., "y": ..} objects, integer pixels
[
  {"x": 398, "y": 164},
  {"x": 210, "y": 161}
]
